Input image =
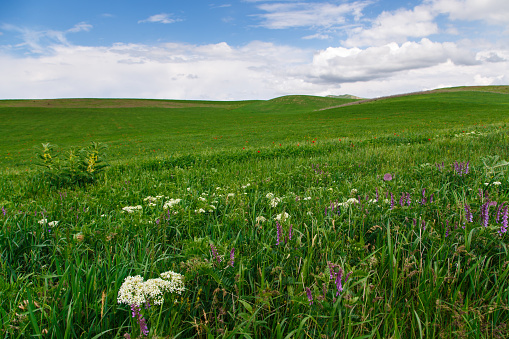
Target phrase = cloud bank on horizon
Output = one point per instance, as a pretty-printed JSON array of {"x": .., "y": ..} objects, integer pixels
[{"x": 250, "y": 49}]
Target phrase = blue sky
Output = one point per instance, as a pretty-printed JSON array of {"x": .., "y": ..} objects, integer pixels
[{"x": 248, "y": 49}]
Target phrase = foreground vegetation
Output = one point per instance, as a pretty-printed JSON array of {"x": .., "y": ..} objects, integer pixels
[{"x": 377, "y": 220}]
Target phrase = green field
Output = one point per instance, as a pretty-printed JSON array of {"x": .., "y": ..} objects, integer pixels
[{"x": 396, "y": 217}]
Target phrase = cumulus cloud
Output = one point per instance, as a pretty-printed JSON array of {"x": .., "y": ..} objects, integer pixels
[
  {"x": 163, "y": 18},
  {"x": 307, "y": 14},
  {"x": 339, "y": 65},
  {"x": 395, "y": 26}
]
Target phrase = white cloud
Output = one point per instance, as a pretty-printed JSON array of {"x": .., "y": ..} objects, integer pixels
[
  {"x": 395, "y": 26},
  {"x": 342, "y": 65},
  {"x": 80, "y": 27},
  {"x": 494, "y": 12},
  {"x": 317, "y": 36},
  {"x": 163, "y": 18},
  {"x": 307, "y": 14}
]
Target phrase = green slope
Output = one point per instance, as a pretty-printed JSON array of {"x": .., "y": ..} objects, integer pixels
[{"x": 160, "y": 128}]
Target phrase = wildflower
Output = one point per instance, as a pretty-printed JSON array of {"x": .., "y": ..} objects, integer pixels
[
  {"x": 496, "y": 183},
  {"x": 274, "y": 202},
  {"x": 170, "y": 203},
  {"x": 231, "y": 195},
  {"x": 202, "y": 199},
  {"x": 214, "y": 253},
  {"x": 503, "y": 228},
  {"x": 282, "y": 216},
  {"x": 339, "y": 285},
  {"x": 260, "y": 219},
  {"x": 353, "y": 191},
  {"x": 42, "y": 221},
  {"x": 408, "y": 199},
  {"x": 485, "y": 213},
  {"x": 402, "y": 200},
  {"x": 310, "y": 296},
  {"x": 307, "y": 198},
  {"x": 290, "y": 233},
  {"x": 376, "y": 191},
  {"x": 3, "y": 210},
  {"x": 468, "y": 213},
  {"x": 387, "y": 177},
  {"x": 269, "y": 196},
  {"x": 392, "y": 201},
  {"x": 53, "y": 223},
  {"x": 132, "y": 209},
  {"x": 139, "y": 319},
  {"x": 232, "y": 257},
  {"x": 278, "y": 230}
]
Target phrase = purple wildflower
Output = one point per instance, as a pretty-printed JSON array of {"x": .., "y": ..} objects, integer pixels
[
  {"x": 468, "y": 213},
  {"x": 376, "y": 190},
  {"x": 503, "y": 228},
  {"x": 402, "y": 200},
  {"x": 423, "y": 225},
  {"x": 431, "y": 198},
  {"x": 290, "y": 233},
  {"x": 423, "y": 200},
  {"x": 232, "y": 257},
  {"x": 139, "y": 318},
  {"x": 339, "y": 285},
  {"x": 392, "y": 201},
  {"x": 499, "y": 211},
  {"x": 408, "y": 199},
  {"x": 214, "y": 253},
  {"x": 3, "y": 210},
  {"x": 278, "y": 229},
  {"x": 310, "y": 296},
  {"x": 387, "y": 177},
  {"x": 331, "y": 269},
  {"x": 485, "y": 216}
]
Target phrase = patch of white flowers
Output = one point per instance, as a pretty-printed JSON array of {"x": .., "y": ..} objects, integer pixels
[
  {"x": 132, "y": 209},
  {"x": 170, "y": 203},
  {"x": 136, "y": 291},
  {"x": 282, "y": 217}
]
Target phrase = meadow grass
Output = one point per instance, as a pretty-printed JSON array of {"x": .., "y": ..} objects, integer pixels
[{"x": 310, "y": 238}]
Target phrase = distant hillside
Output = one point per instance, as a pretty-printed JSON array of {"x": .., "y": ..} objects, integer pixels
[
  {"x": 344, "y": 96},
  {"x": 484, "y": 89}
]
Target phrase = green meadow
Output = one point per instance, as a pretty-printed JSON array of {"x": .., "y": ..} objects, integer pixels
[{"x": 296, "y": 217}]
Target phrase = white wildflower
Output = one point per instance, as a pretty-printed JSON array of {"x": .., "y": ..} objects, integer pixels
[
  {"x": 53, "y": 223},
  {"x": 202, "y": 199},
  {"x": 260, "y": 219},
  {"x": 496, "y": 183},
  {"x": 307, "y": 198},
  {"x": 42, "y": 221},
  {"x": 131, "y": 291},
  {"x": 274, "y": 202},
  {"x": 269, "y": 196},
  {"x": 282, "y": 217},
  {"x": 353, "y": 191},
  {"x": 170, "y": 203},
  {"x": 132, "y": 209},
  {"x": 230, "y": 195}
]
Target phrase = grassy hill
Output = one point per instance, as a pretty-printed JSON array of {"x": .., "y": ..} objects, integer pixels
[{"x": 160, "y": 128}]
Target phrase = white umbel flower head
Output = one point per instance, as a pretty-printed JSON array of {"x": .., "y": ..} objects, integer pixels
[{"x": 131, "y": 291}]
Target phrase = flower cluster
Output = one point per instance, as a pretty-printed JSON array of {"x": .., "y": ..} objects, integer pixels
[
  {"x": 132, "y": 209},
  {"x": 136, "y": 291},
  {"x": 170, "y": 203}
]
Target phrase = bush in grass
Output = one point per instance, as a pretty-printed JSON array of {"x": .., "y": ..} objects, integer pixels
[{"x": 76, "y": 166}]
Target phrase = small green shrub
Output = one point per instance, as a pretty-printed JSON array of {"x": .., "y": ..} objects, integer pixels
[{"x": 75, "y": 166}]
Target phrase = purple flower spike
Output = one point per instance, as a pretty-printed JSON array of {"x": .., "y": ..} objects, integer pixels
[
  {"x": 468, "y": 213},
  {"x": 232, "y": 257},
  {"x": 139, "y": 319},
  {"x": 278, "y": 229},
  {"x": 310, "y": 296},
  {"x": 290, "y": 233},
  {"x": 377, "y": 194},
  {"x": 503, "y": 228},
  {"x": 392, "y": 201},
  {"x": 485, "y": 213},
  {"x": 214, "y": 253}
]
